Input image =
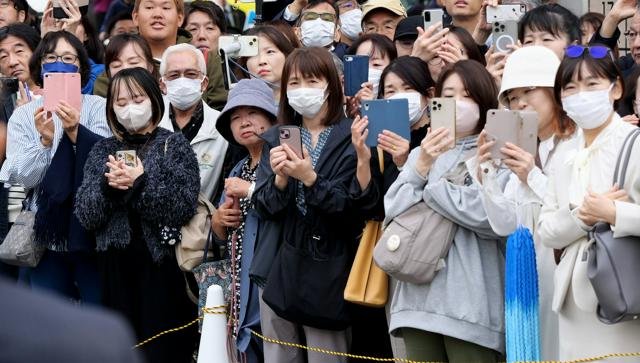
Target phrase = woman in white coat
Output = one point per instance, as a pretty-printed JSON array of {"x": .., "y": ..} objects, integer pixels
[
  {"x": 528, "y": 86},
  {"x": 581, "y": 193}
]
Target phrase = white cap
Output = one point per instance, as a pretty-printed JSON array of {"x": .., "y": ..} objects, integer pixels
[{"x": 532, "y": 66}]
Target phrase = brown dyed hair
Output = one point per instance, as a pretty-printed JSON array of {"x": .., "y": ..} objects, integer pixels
[
  {"x": 118, "y": 42},
  {"x": 478, "y": 83},
  {"x": 277, "y": 37},
  {"x": 312, "y": 62},
  {"x": 470, "y": 46}
]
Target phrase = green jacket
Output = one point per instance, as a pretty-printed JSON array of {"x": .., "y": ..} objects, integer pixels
[{"x": 215, "y": 95}]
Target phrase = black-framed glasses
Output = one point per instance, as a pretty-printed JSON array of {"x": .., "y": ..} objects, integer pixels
[
  {"x": 65, "y": 58},
  {"x": 595, "y": 52}
]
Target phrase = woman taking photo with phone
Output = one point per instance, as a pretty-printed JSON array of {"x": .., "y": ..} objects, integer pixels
[
  {"x": 46, "y": 151},
  {"x": 459, "y": 315},
  {"x": 582, "y": 193},
  {"x": 136, "y": 208},
  {"x": 528, "y": 86},
  {"x": 273, "y": 48},
  {"x": 308, "y": 193},
  {"x": 408, "y": 78}
]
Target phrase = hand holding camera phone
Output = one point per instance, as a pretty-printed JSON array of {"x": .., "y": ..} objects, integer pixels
[
  {"x": 128, "y": 156},
  {"x": 505, "y": 12},
  {"x": 62, "y": 87},
  {"x": 504, "y": 35},
  {"x": 290, "y": 136},
  {"x": 443, "y": 114},
  {"x": 389, "y": 114},
  {"x": 432, "y": 17},
  {"x": 356, "y": 72},
  {"x": 507, "y": 126}
]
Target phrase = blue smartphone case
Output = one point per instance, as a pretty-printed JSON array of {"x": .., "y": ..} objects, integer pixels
[
  {"x": 356, "y": 72},
  {"x": 392, "y": 115}
]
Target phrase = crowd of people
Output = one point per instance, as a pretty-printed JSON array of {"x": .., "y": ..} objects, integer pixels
[{"x": 288, "y": 219}]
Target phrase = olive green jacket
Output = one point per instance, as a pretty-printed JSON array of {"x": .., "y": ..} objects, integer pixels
[{"x": 215, "y": 95}]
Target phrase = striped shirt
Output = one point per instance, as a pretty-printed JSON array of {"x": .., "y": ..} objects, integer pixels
[{"x": 27, "y": 159}]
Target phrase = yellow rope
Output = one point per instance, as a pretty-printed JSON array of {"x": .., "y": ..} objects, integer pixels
[{"x": 221, "y": 310}]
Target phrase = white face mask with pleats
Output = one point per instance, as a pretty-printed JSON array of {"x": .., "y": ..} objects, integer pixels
[
  {"x": 415, "y": 105},
  {"x": 134, "y": 116},
  {"x": 589, "y": 109},
  {"x": 307, "y": 101}
]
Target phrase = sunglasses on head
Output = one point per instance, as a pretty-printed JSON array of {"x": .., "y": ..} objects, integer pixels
[{"x": 595, "y": 52}]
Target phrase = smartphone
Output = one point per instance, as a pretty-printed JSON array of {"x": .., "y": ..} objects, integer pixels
[
  {"x": 58, "y": 12},
  {"x": 392, "y": 115},
  {"x": 356, "y": 72},
  {"x": 238, "y": 45},
  {"x": 443, "y": 114},
  {"x": 502, "y": 126},
  {"x": 290, "y": 135},
  {"x": 431, "y": 17},
  {"x": 504, "y": 33},
  {"x": 528, "y": 137},
  {"x": 505, "y": 12},
  {"x": 62, "y": 86},
  {"x": 9, "y": 85},
  {"x": 128, "y": 156}
]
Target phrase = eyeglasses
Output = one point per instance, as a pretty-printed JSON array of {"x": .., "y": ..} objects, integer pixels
[
  {"x": 310, "y": 15},
  {"x": 595, "y": 52},
  {"x": 65, "y": 58},
  {"x": 189, "y": 73}
]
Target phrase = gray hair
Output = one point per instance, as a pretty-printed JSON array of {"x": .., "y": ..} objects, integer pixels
[{"x": 183, "y": 47}]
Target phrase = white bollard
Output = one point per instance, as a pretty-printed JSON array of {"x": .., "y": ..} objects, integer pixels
[{"x": 213, "y": 340}]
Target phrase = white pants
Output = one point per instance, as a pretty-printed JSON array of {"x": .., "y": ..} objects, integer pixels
[{"x": 278, "y": 328}]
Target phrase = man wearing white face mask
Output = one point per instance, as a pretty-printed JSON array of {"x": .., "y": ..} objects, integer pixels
[
  {"x": 319, "y": 26},
  {"x": 183, "y": 81},
  {"x": 350, "y": 21}
]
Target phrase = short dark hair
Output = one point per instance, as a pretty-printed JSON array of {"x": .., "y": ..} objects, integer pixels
[
  {"x": 213, "y": 11},
  {"x": 22, "y": 31},
  {"x": 48, "y": 45},
  {"x": 470, "y": 46},
  {"x": 479, "y": 85},
  {"x": 95, "y": 48},
  {"x": 123, "y": 15},
  {"x": 604, "y": 67},
  {"x": 413, "y": 71},
  {"x": 117, "y": 43},
  {"x": 553, "y": 19},
  {"x": 379, "y": 43},
  {"x": 312, "y": 62},
  {"x": 135, "y": 79},
  {"x": 314, "y": 3}
]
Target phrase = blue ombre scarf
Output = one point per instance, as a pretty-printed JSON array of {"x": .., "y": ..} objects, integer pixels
[{"x": 521, "y": 298}]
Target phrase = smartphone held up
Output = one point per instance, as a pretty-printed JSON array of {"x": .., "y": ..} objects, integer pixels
[{"x": 62, "y": 87}]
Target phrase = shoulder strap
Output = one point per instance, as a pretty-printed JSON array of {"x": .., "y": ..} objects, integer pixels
[
  {"x": 381, "y": 159},
  {"x": 623, "y": 158}
]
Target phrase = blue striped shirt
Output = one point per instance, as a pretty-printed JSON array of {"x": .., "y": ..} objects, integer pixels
[{"x": 27, "y": 159}]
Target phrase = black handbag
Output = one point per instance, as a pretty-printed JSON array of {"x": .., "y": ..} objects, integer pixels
[
  {"x": 306, "y": 284},
  {"x": 614, "y": 263}
]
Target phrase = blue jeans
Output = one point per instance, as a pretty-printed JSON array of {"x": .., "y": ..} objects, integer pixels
[{"x": 71, "y": 274}]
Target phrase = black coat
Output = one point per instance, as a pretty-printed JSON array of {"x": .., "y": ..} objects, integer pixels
[{"x": 327, "y": 229}]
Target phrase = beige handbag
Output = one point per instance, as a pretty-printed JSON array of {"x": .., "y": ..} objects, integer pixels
[
  {"x": 368, "y": 285},
  {"x": 190, "y": 251}
]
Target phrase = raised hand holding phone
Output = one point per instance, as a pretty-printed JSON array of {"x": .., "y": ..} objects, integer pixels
[
  {"x": 300, "y": 169},
  {"x": 45, "y": 126}
]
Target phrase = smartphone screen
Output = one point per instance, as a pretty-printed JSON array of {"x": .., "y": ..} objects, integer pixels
[{"x": 62, "y": 86}]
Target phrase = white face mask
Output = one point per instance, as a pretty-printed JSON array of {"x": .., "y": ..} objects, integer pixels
[
  {"x": 134, "y": 116},
  {"x": 467, "y": 116},
  {"x": 589, "y": 109},
  {"x": 184, "y": 92},
  {"x": 351, "y": 23},
  {"x": 415, "y": 105},
  {"x": 317, "y": 33},
  {"x": 374, "y": 77},
  {"x": 307, "y": 101}
]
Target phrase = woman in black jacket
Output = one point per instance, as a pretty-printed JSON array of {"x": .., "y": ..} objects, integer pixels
[
  {"x": 136, "y": 207},
  {"x": 304, "y": 289}
]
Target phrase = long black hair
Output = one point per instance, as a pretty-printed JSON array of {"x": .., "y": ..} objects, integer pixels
[{"x": 413, "y": 71}]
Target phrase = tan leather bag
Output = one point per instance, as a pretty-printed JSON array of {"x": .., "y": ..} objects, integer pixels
[
  {"x": 190, "y": 251},
  {"x": 368, "y": 285}
]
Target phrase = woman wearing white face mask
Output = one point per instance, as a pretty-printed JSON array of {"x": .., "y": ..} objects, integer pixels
[
  {"x": 309, "y": 195},
  {"x": 406, "y": 77},
  {"x": 459, "y": 315},
  {"x": 136, "y": 213},
  {"x": 381, "y": 53},
  {"x": 581, "y": 193},
  {"x": 528, "y": 86}
]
